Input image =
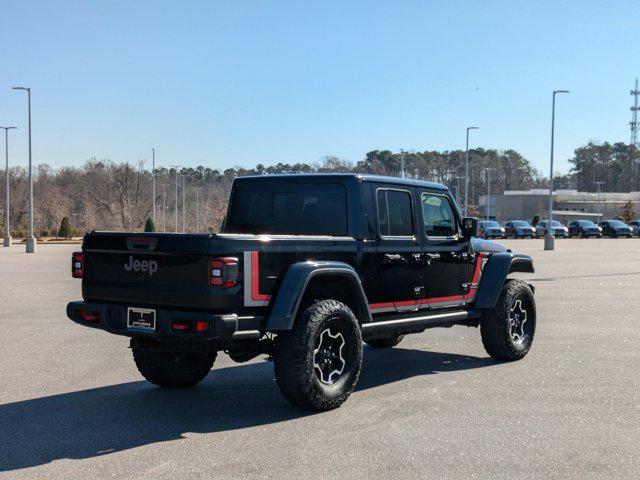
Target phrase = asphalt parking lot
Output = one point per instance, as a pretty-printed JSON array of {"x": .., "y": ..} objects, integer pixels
[{"x": 72, "y": 404}]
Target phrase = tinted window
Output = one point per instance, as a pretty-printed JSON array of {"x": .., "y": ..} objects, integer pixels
[
  {"x": 616, "y": 223},
  {"x": 490, "y": 224},
  {"x": 438, "y": 217},
  {"x": 555, "y": 223},
  {"x": 521, "y": 224},
  {"x": 286, "y": 208},
  {"x": 394, "y": 213},
  {"x": 586, "y": 223}
]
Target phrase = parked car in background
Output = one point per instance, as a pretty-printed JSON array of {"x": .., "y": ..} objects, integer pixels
[
  {"x": 635, "y": 226},
  {"x": 557, "y": 229},
  {"x": 519, "y": 229},
  {"x": 584, "y": 229},
  {"x": 490, "y": 229},
  {"x": 616, "y": 228}
]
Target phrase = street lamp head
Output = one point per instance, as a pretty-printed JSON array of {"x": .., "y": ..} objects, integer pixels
[
  {"x": 473, "y": 128},
  {"x": 22, "y": 88},
  {"x": 9, "y": 128},
  {"x": 560, "y": 91}
]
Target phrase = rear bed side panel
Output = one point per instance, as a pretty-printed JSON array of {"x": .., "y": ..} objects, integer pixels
[{"x": 264, "y": 260}]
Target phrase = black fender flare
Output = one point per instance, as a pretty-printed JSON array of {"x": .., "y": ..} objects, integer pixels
[
  {"x": 495, "y": 272},
  {"x": 293, "y": 287}
]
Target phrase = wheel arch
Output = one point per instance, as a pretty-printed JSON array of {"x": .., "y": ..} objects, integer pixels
[
  {"x": 336, "y": 280},
  {"x": 495, "y": 273}
]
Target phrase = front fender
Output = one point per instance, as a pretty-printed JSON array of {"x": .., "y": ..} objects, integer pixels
[
  {"x": 295, "y": 282},
  {"x": 495, "y": 273}
]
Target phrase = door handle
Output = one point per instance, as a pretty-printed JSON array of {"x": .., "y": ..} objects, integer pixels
[{"x": 393, "y": 258}]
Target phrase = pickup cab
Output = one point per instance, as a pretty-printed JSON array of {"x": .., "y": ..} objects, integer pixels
[{"x": 305, "y": 269}]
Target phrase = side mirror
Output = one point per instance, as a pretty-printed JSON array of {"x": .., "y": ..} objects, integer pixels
[{"x": 469, "y": 227}]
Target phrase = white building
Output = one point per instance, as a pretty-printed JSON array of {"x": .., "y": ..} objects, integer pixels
[{"x": 568, "y": 205}]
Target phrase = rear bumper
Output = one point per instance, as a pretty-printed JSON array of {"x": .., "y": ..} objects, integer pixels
[{"x": 113, "y": 319}]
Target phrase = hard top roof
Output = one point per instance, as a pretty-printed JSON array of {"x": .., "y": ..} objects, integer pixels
[{"x": 363, "y": 177}]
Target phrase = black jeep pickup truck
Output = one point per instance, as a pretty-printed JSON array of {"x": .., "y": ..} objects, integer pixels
[{"x": 305, "y": 269}]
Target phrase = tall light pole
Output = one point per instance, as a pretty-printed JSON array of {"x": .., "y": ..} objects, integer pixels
[
  {"x": 487, "y": 172},
  {"x": 466, "y": 174},
  {"x": 599, "y": 189},
  {"x": 402, "y": 174},
  {"x": 153, "y": 182},
  {"x": 7, "y": 236},
  {"x": 549, "y": 238},
  {"x": 184, "y": 204},
  {"x": 164, "y": 207},
  {"x": 175, "y": 199},
  {"x": 458, "y": 189},
  {"x": 31, "y": 240},
  {"x": 198, "y": 190}
]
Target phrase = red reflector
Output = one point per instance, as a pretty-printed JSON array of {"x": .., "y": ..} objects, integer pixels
[
  {"x": 182, "y": 326},
  {"x": 89, "y": 315},
  {"x": 77, "y": 264},
  {"x": 202, "y": 326}
]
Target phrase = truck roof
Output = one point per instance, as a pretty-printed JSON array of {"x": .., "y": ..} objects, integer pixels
[{"x": 363, "y": 177}]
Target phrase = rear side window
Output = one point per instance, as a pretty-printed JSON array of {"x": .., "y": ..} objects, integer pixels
[
  {"x": 288, "y": 209},
  {"x": 394, "y": 213},
  {"x": 439, "y": 220}
]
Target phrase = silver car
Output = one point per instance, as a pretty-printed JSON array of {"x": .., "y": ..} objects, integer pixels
[{"x": 557, "y": 229}]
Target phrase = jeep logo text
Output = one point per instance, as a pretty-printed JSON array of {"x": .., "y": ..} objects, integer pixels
[{"x": 145, "y": 266}]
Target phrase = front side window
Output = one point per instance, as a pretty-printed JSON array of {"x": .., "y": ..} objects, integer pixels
[
  {"x": 439, "y": 220},
  {"x": 394, "y": 213}
]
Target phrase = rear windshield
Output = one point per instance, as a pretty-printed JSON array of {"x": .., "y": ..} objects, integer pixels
[
  {"x": 520, "y": 223},
  {"x": 288, "y": 209},
  {"x": 586, "y": 223},
  {"x": 490, "y": 224}
]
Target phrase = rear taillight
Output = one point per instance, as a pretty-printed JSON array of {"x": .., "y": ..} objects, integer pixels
[
  {"x": 223, "y": 272},
  {"x": 77, "y": 265}
]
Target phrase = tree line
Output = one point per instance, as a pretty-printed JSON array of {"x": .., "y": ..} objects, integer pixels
[{"x": 104, "y": 195}]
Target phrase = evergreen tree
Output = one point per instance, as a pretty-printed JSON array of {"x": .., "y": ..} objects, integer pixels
[
  {"x": 149, "y": 226},
  {"x": 66, "y": 229},
  {"x": 535, "y": 220}
]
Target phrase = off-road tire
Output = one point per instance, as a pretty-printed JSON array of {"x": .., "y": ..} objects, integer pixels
[
  {"x": 294, "y": 353},
  {"x": 495, "y": 327},
  {"x": 388, "y": 342},
  {"x": 172, "y": 370}
]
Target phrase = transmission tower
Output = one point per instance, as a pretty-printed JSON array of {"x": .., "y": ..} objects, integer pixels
[
  {"x": 634, "y": 133},
  {"x": 634, "y": 116}
]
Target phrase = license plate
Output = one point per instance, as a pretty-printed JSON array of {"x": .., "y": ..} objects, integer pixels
[{"x": 141, "y": 319}]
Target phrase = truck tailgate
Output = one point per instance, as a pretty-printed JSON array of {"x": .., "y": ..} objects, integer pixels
[{"x": 148, "y": 269}]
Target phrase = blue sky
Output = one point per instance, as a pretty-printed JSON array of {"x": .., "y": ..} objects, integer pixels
[{"x": 245, "y": 82}]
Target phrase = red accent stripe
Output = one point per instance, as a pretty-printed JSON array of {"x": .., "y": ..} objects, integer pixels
[
  {"x": 255, "y": 280},
  {"x": 451, "y": 298}
]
